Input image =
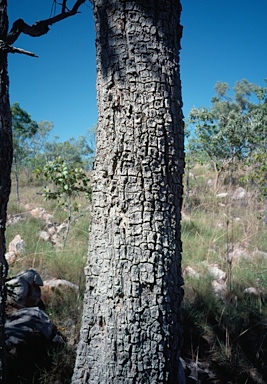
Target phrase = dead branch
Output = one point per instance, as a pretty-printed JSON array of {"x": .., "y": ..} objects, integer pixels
[
  {"x": 41, "y": 27},
  {"x": 22, "y": 51}
]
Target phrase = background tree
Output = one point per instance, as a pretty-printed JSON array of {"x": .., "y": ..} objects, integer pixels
[
  {"x": 7, "y": 39},
  {"x": 74, "y": 151},
  {"x": 131, "y": 329},
  {"x": 226, "y": 131},
  {"x": 37, "y": 147},
  {"x": 256, "y": 163},
  {"x": 24, "y": 128}
]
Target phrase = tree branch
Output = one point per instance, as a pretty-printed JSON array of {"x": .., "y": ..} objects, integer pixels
[
  {"x": 41, "y": 27},
  {"x": 9, "y": 49},
  {"x": 22, "y": 51}
]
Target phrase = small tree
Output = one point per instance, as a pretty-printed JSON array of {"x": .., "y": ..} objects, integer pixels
[{"x": 67, "y": 182}]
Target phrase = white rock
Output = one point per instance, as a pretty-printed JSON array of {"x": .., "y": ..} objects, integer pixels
[
  {"x": 10, "y": 257},
  {"x": 189, "y": 271},
  {"x": 252, "y": 291},
  {"x": 237, "y": 219},
  {"x": 17, "y": 245},
  {"x": 51, "y": 230},
  {"x": 61, "y": 228},
  {"x": 40, "y": 213},
  {"x": 37, "y": 212},
  {"x": 239, "y": 194},
  {"x": 217, "y": 273},
  {"x": 221, "y": 195},
  {"x": 44, "y": 235},
  {"x": 220, "y": 289}
]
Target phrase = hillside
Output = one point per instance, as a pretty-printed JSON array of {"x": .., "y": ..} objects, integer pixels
[{"x": 224, "y": 264}]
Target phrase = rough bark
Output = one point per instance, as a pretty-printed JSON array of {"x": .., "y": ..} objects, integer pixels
[
  {"x": 5, "y": 170},
  {"x": 131, "y": 331}
]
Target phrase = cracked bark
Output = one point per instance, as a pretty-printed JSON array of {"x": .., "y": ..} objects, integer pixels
[{"x": 131, "y": 330}]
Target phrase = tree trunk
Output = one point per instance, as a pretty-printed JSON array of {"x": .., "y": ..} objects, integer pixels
[
  {"x": 131, "y": 330},
  {"x": 5, "y": 170}
]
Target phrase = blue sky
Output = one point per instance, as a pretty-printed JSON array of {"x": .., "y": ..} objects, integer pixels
[{"x": 222, "y": 41}]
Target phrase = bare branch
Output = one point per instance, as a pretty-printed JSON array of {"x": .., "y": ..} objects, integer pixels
[
  {"x": 41, "y": 27},
  {"x": 22, "y": 51},
  {"x": 9, "y": 49}
]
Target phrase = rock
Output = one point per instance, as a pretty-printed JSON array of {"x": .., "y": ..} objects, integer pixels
[
  {"x": 199, "y": 372},
  {"x": 17, "y": 245},
  {"x": 51, "y": 230},
  {"x": 222, "y": 195},
  {"x": 44, "y": 236},
  {"x": 10, "y": 257},
  {"x": 14, "y": 219},
  {"x": 40, "y": 213},
  {"x": 24, "y": 289},
  {"x": 53, "y": 290},
  {"x": 189, "y": 271},
  {"x": 217, "y": 273},
  {"x": 237, "y": 219},
  {"x": 54, "y": 284},
  {"x": 252, "y": 291},
  {"x": 54, "y": 233},
  {"x": 238, "y": 253},
  {"x": 25, "y": 321},
  {"x": 30, "y": 337},
  {"x": 239, "y": 194},
  {"x": 219, "y": 289},
  {"x": 61, "y": 228}
]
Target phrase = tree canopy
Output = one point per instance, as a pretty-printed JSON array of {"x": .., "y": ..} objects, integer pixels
[{"x": 233, "y": 128}]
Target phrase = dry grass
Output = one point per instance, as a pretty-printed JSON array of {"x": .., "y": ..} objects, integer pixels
[{"x": 230, "y": 333}]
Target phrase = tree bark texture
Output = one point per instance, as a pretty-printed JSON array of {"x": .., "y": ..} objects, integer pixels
[
  {"x": 5, "y": 171},
  {"x": 131, "y": 330}
]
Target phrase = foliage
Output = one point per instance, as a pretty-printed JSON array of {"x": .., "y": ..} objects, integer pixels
[
  {"x": 226, "y": 131},
  {"x": 67, "y": 182},
  {"x": 33, "y": 148},
  {"x": 24, "y": 128},
  {"x": 257, "y": 162},
  {"x": 37, "y": 156},
  {"x": 74, "y": 151}
]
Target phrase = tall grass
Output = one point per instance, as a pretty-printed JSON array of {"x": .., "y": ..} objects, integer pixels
[
  {"x": 229, "y": 331},
  {"x": 64, "y": 306}
]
